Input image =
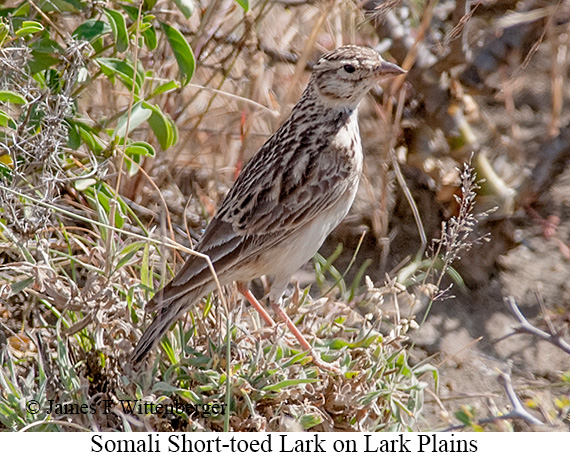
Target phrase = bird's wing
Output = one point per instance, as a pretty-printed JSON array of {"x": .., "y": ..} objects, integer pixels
[{"x": 278, "y": 192}]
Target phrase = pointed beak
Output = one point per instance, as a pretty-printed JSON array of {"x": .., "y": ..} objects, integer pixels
[{"x": 390, "y": 69}]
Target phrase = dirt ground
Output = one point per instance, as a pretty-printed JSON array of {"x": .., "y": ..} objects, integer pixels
[
  {"x": 469, "y": 334},
  {"x": 535, "y": 269}
]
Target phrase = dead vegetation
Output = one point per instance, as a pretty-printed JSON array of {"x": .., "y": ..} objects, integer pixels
[{"x": 100, "y": 199}]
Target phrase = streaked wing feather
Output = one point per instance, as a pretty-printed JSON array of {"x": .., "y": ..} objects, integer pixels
[
  {"x": 220, "y": 242},
  {"x": 285, "y": 188},
  {"x": 295, "y": 176}
]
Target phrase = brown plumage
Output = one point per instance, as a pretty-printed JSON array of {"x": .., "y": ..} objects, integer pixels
[{"x": 287, "y": 199}]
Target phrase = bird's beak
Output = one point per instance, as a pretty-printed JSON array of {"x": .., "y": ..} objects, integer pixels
[{"x": 390, "y": 69}]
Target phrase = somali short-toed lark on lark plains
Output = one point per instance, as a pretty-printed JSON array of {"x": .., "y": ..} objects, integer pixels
[{"x": 293, "y": 192}]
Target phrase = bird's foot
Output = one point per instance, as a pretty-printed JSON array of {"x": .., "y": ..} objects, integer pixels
[{"x": 317, "y": 361}]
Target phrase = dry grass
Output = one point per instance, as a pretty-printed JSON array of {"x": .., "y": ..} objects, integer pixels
[
  {"x": 79, "y": 259},
  {"x": 75, "y": 284}
]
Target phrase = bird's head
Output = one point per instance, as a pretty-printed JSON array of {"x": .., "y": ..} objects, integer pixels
[{"x": 344, "y": 76}]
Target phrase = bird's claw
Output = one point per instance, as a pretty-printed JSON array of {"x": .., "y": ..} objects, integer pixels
[{"x": 320, "y": 363}]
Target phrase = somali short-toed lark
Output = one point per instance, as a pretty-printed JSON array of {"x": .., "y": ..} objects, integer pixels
[{"x": 293, "y": 192}]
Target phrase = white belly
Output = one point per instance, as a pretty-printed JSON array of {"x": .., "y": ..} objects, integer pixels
[{"x": 299, "y": 248}]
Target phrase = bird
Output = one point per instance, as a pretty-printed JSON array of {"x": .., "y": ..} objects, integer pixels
[{"x": 287, "y": 199}]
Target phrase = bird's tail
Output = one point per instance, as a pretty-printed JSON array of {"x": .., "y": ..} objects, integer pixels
[{"x": 168, "y": 313}]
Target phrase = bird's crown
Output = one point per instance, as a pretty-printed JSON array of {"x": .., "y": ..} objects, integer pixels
[{"x": 349, "y": 72}]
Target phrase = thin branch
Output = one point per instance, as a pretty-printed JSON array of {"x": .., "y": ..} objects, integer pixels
[
  {"x": 518, "y": 411},
  {"x": 555, "y": 337}
]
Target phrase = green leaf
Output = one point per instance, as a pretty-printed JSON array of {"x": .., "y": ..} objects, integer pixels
[
  {"x": 463, "y": 417},
  {"x": 428, "y": 368},
  {"x": 53, "y": 80},
  {"x": 244, "y": 4},
  {"x": 163, "y": 387},
  {"x": 147, "y": 20},
  {"x": 146, "y": 274},
  {"x": 28, "y": 28},
  {"x": 352, "y": 374},
  {"x": 89, "y": 136},
  {"x": 128, "y": 253},
  {"x": 301, "y": 358},
  {"x": 77, "y": 4},
  {"x": 61, "y": 6},
  {"x": 119, "y": 26},
  {"x": 4, "y": 30},
  {"x": 278, "y": 387},
  {"x": 140, "y": 148},
  {"x": 456, "y": 278},
  {"x": 111, "y": 66},
  {"x": 12, "y": 97},
  {"x": 42, "y": 61},
  {"x": 131, "y": 11},
  {"x": 339, "y": 343},
  {"x": 134, "y": 152},
  {"x": 46, "y": 44},
  {"x": 187, "y": 7},
  {"x": 101, "y": 196},
  {"x": 22, "y": 11},
  {"x": 132, "y": 163},
  {"x": 91, "y": 30},
  {"x": 182, "y": 52},
  {"x": 162, "y": 126},
  {"x": 164, "y": 88},
  {"x": 6, "y": 160},
  {"x": 310, "y": 420},
  {"x": 139, "y": 114},
  {"x": 149, "y": 37},
  {"x": 73, "y": 136},
  {"x": 6, "y": 120},
  {"x": 27, "y": 31},
  {"x": 99, "y": 45},
  {"x": 19, "y": 286}
]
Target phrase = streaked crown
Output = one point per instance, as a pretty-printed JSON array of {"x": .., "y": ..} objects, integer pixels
[{"x": 346, "y": 74}]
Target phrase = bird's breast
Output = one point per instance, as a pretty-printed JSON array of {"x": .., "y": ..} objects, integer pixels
[{"x": 348, "y": 145}]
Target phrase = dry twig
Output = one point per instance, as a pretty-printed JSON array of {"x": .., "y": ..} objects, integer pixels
[{"x": 553, "y": 336}]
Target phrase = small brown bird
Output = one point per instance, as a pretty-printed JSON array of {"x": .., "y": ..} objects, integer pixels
[{"x": 292, "y": 193}]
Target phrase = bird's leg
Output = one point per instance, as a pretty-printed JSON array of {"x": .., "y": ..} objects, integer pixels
[
  {"x": 291, "y": 326},
  {"x": 242, "y": 289},
  {"x": 302, "y": 340}
]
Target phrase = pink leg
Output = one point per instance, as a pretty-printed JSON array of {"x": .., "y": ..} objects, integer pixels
[
  {"x": 291, "y": 326},
  {"x": 242, "y": 289},
  {"x": 302, "y": 340}
]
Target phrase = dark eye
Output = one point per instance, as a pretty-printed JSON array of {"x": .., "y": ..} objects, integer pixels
[{"x": 349, "y": 68}]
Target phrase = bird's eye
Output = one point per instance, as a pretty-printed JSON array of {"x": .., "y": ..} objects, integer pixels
[{"x": 349, "y": 68}]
